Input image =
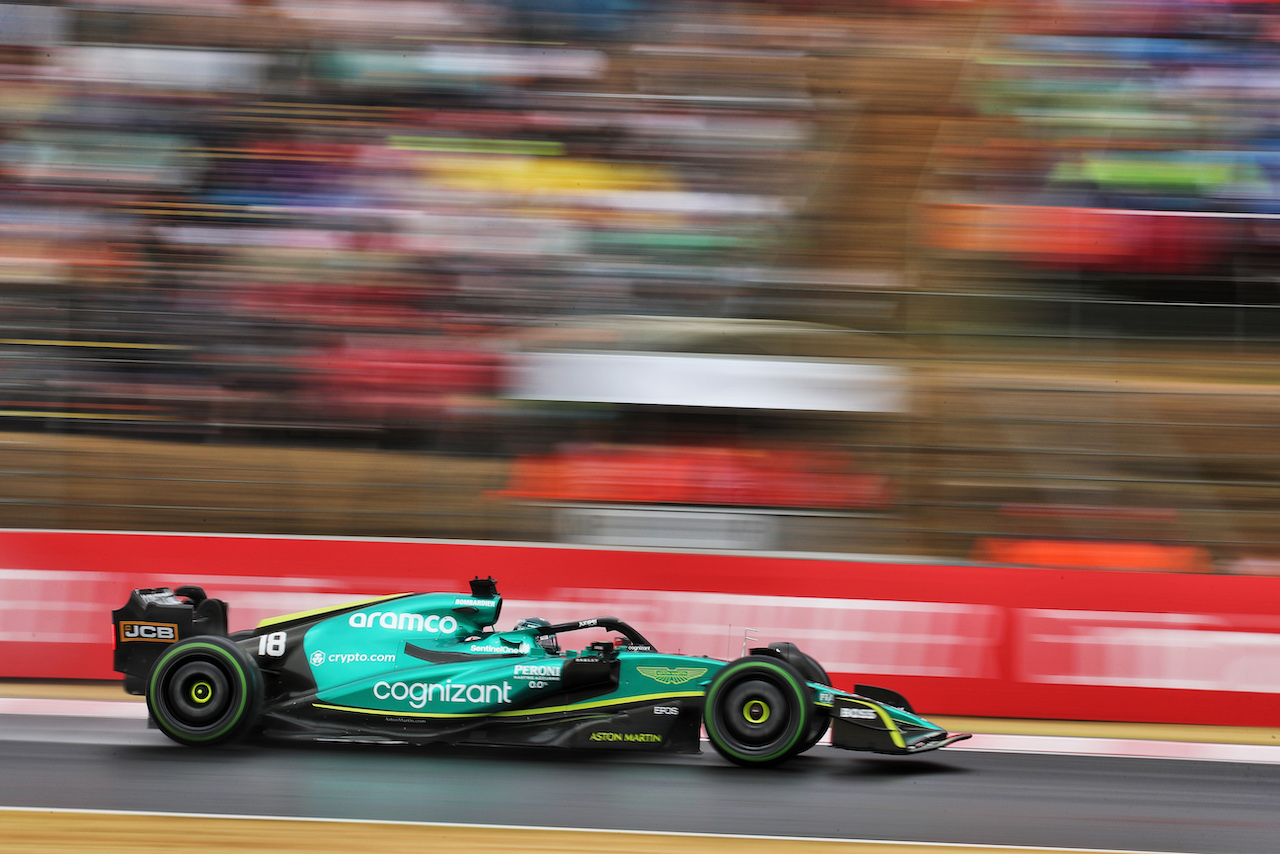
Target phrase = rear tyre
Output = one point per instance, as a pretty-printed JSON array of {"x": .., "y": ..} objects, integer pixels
[
  {"x": 758, "y": 711},
  {"x": 808, "y": 667},
  {"x": 204, "y": 691}
]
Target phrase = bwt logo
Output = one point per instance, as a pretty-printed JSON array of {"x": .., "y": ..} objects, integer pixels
[{"x": 158, "y": 632}]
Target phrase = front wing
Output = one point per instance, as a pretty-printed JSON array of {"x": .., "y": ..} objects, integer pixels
[{"x": 863, "y": 724}]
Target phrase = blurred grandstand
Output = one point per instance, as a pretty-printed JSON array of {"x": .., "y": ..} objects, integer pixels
[{"x": 962, "y": 279}]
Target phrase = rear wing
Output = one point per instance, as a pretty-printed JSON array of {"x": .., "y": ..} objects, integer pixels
[{"x": 155, "y": 617}]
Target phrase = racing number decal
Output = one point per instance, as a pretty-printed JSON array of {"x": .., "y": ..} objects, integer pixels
[{"x": 272, "y": 645}]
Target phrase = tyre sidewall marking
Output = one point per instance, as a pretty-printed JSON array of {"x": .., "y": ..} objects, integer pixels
[
  {"x": 224, "y": 656},
  {"x": 787, "y": 678}
]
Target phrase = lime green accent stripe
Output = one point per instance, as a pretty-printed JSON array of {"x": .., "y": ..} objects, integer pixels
[
  {"x": 596, "y": 704},
  {"x": 315, "y": 612},
  {"x": 894, "y": 732},
  {"x": 399, "y": 714},
  {"x": 541, "y": 710}
]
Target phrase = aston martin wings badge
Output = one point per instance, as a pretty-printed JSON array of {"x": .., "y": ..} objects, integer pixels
[{"x": 671, "y": 675}]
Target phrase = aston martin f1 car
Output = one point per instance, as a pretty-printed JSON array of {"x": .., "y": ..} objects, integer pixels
[{"x": 430, "y": 667}]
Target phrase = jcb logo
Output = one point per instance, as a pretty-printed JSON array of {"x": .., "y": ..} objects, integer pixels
[{"x": 158, "y": 632}]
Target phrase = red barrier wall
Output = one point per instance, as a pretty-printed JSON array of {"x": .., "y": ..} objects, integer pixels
[{"x": 958, "y": 640}]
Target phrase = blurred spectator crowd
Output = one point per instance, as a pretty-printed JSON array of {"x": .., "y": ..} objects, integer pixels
[
  {"x": 1135, "y": 144},
  {"x": 272, "y": 217},
  {"x": 348, "y": 222}
]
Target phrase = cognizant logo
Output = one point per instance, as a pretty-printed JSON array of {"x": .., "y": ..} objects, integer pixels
[
  {"x": 420, "y": 693},
  {"x": 433, "y": 623}
]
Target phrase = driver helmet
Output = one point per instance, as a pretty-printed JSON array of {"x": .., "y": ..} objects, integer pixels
[{"x": 547, "y": 642}]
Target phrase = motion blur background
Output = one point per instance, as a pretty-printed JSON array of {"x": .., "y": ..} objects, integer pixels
[{"x": 947, "y": 278}]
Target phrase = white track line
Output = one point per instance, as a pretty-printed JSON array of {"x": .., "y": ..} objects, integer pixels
[
  {"x": 965, "y": 846},
  {"x": 980, "y": 743}
]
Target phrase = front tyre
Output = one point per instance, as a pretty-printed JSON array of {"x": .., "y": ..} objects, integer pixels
[
  {"x": 808, "y": 667},
  {"x": 204, "y": 691},
  {"x": 758, "y": 711}
]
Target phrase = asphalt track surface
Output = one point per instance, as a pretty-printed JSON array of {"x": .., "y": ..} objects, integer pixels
[{"x": 952, "y": 796}]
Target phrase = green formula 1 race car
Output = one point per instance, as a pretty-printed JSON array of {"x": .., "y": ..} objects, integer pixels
[{"x": 429, "y": 667}]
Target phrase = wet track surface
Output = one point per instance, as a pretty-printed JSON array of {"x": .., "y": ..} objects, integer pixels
[{"x": 950, "y": 796}]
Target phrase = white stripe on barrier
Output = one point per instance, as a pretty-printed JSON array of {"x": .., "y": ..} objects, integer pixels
[
  {"x": 41, "y": 707},
  {"x": 1121, "y": 747}
]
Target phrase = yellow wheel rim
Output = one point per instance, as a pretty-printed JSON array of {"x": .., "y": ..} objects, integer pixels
[{"x": 755, "y": 712}]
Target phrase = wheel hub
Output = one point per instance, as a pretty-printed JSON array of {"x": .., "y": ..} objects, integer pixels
[
  {"x": 753, "y": 720},
  {"x": 198, "y": 693},
  {"x": 756, "y": 712}
]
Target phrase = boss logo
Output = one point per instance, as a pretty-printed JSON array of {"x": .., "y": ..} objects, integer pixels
[
  {"x": 158, "y": 632},
  {"x": 666, "y": 710},
  {"x": 858, "y": 714}
]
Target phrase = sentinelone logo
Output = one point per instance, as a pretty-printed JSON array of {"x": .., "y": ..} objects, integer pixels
[{"x": 432, "y": 623}]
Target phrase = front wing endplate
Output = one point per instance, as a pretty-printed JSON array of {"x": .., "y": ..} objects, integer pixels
[{"x": 862, "y": 724}]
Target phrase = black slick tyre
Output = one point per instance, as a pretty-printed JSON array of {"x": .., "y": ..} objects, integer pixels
[
  {"x": 758, "y": 711},
  {"x": 204, "y": 691},
  {"x": 808, "y": 667}
]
